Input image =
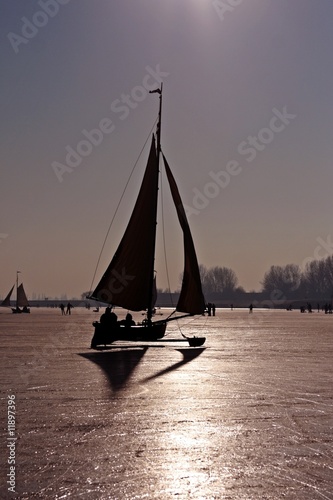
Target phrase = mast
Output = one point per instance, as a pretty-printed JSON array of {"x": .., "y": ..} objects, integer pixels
[
  {"x": 17, "y": 273},
  {"x": 158, "y": 150}
]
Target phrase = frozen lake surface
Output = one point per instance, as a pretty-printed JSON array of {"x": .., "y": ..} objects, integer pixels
[{"x": 247, "y": 416}]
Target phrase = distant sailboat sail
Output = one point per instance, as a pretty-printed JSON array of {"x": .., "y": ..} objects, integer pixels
[
  {"x": 21, "y": 300},
  {"x": 6, "y": 300}
]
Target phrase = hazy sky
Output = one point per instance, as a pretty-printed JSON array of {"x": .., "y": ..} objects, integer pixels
[{"x": 247, "y": 131}]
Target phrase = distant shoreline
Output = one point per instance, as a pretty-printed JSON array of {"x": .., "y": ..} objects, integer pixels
[{"x": 169, "y": 300}]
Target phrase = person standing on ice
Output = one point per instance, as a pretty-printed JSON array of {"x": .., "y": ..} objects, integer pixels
[{"x": 69, "y": 307}]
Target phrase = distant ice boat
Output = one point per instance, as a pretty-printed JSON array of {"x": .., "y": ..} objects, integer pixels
[
  {"x": 129, "y": 281},
  {"x": 21, "y": 299}
]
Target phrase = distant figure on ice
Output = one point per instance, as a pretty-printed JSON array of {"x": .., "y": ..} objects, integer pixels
[
  {"x": 69, "y": 307},
  {"x": 62, "y": 308},
  {"x": 250, "y": 308},
  {"x": 213, "y": 309}
]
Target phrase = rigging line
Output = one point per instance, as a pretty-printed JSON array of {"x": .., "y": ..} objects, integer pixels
[
  {"x": 117, "y": 208},
  {"x": 185, "y": 325},
  {"x": 172, "y": 313},
  {"x": 180, "y": 327}
]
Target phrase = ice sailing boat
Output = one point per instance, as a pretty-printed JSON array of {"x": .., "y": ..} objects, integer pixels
[
  {"x": 129, "y": 280},
  {"x": 21, "y": 298}
]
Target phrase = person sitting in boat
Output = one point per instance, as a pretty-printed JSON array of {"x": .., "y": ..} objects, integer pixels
[
  {"x": 108, "y": 318},
  {"x": 104, "y": 329},
  {"x": 128, "y": 321}
]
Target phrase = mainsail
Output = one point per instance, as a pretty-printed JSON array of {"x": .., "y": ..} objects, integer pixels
[
  {"x": 6, "y": 300},
  {"x": 21, "y": 300},
  {"x": 127, "y": 280}
]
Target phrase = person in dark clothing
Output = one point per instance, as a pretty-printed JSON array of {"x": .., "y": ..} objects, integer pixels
[
  {"x": 69, "y": 307},
  {"x": 108, "y": 318},
  {"x": 128, "y": 321}
]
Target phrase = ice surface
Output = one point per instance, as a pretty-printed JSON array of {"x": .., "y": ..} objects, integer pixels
[{"x": 247, "y": 416}]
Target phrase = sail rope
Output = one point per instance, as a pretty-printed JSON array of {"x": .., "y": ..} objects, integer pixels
[
  {"x": 186, "y": 324},
  {"x": 118, "y": 205}
]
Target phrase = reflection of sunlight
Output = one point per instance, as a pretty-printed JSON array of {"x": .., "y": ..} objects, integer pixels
[
  {"x": 185, "y": 460},
  {"x": 182, "y": 440}
]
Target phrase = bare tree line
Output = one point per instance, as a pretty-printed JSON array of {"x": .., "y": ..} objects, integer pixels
[
  {"x": 279, "y": 282},
  {"x": 314, "y": 281}
]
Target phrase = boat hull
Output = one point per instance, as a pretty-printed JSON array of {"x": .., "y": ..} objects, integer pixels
[
  {"x": 135, "y": 333},
  {"x": 19, "y": 311}
]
